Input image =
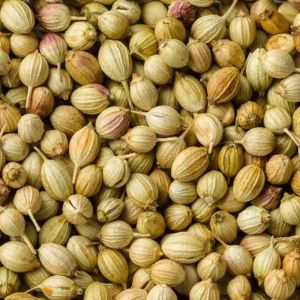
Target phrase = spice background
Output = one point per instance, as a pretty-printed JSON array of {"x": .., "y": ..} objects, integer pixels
[{"x": 149, "y": 150}]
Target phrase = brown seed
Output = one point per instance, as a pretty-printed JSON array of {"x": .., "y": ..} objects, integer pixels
[
  {"x": 67, "y": 119},
  {"x": 248, "y": 183},
  {"x": 223, "y": 85},
  {"x": 184, "y": 167},
  {"x": 42, "y": 102},
  {"x": 90, "y": 71}
]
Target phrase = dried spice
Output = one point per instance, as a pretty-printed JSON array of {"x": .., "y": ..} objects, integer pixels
[{"x": 148, "y": 149}]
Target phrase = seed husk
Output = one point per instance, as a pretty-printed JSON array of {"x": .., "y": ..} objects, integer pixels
[
  {"x": 60, "y": 83},
  {"x": 11, "y": 79},
  {"x": 21, "y": 296},
  {"x": 4, "y": 191},
  {"x": 17, "y": 257},
  {"x": 56, "y": 17},
  {"x": 161, "y": 291},
  {"x": 253, "y": 220},
  {"x": 58, "y": 287},
  {"x": 54, "y": 48},
  {"x": 205, "y": 289},
  {"x": 36, "y": 276},
  {"x": 184, "y": 247},
  {"x": 33, "y": 165},
  {"x": 266, "y": 261},
  {"x": 290, "y": 264},
  {"x": 279, "y": 283},
  {"x": 117, "y": 234},
  {"x": 242, "y": 30},
  {"x": 23, "y": 44},
  {"x": 33, "y": 72},
  {"x": 202, "y": 211},
  {"x": 223, "y": 85},
  {"x": 189, "y": 92},
  {"x": 239, "y": 287},
  {"x": 96, "y": 290},
  {"x": 9, "y": 117},
  {"x": 256, "y": 74},
  {"x": 259, "y": 141},
  {"x": 151, "y": 222},
  {"x": 110, "y": 54},
  {"x": 57, "y": 259},
  {"x": 248, "y": 183},
  {"x": 184, "y": 167},
  {"x": 204, "y": 121},
  {"x": 256, "y": 243},
  {"x": 192, "y": 138},
  {"x": 182, "y": 192},
  {"x": 6, "y": 63},
  {"x": 55, "y": 178},
  {"x": 113, "y": 24},
  {"x": 249, "y": 115},
  {"x": 91, "y": 11},
  {"x": 77, "y": 209},
  {"x": 80, "y": 35},
  {"x": 54, "y": 143},
  {"x": 174, "y": 53},
  {"x": 169, "y": 28},
  {"x": 89, "y": 229},
  {"x": 55, "y": 230},
  {"x": 83, "y": 148},
  {"x": 214, "y": 26},
  {"x": 204, "y": 233},
  {"x": 89, "y": 181},
  {"x": 27, "y": 200},
  {"x": 113, "y": 265},
  {"x": 224, "y": 112},
  {"x": 143, "y": 44},
  {"x": 14, "y": 175},
  {"x": 49, "y": 207},
  {"x": 238, "y": 258},
  {"x": 224, "y": 225},
  {"x": 278, "y": 63},
  {"x": 157, "y": 70},
  {"x": 282, "y": 166},
  {"x": 200, "y": 57},
  {"x": 141, "y": 190},
  {"x": 96, "y": 98},
  {"x": 167, "y": 271},
  {"x": 90, "y": 71},
  {"x": 212, "y": 266},
  {"x": 110, "y": 209},
  {"x": 112, "y": 123},
  {"x": 14, "y": 148},
  {"x": 228, "y": 53},
  {"x": 212, "y": 187},
  {"x": 289, "y": 206},
  {"x": 17, "y": 16},
  {"x": 30, "y": 128},
  {"x": 12, "y": 223},
  {"x": 166, "y": 152},
  {"x": 144, "y": 252},
  {"x": 83, "y": 251},
  {"x": 178, "y": 217},
  {"x": 141, "y": 163}
]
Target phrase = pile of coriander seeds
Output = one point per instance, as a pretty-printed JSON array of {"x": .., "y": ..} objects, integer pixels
[{"x": 149, "y": 150}]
